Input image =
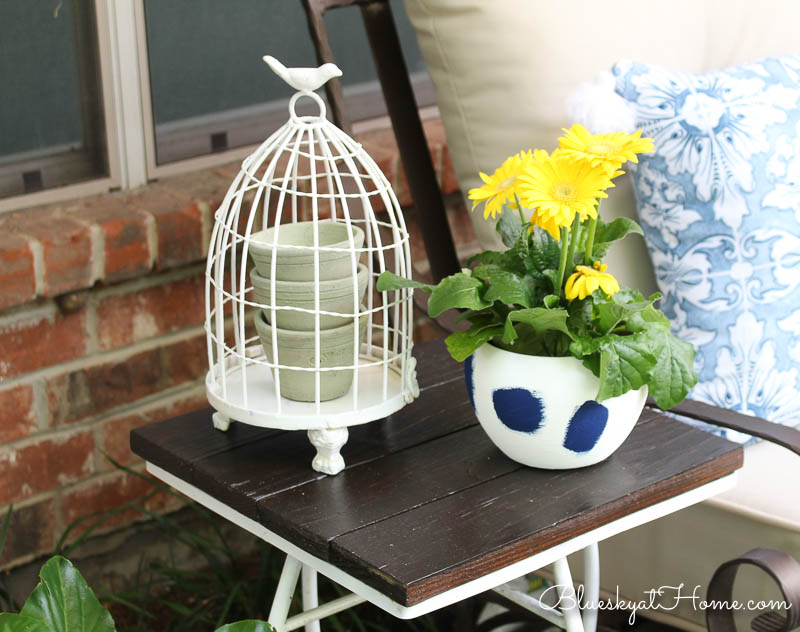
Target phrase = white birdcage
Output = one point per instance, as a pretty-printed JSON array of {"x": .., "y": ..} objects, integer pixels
[{"x": 321, "y": 357}]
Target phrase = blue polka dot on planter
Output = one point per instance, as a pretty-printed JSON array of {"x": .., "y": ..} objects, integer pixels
[
  {"x": 586, "y": 427},
  {"x": 468, "y": 370},
  {"x": 518, "y": 408}
]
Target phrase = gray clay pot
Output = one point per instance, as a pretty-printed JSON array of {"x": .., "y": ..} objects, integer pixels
[
  {"x": 336, "y": 295},
  {"x": 296, "y": 348},
  {"x": 297, "y": 264}
]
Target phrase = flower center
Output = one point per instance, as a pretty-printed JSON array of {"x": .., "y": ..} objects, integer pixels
[
  {"x": 564, "y": 192},
  {"x": 507, "y": 182},
  {"x": 602, "y": 148}
]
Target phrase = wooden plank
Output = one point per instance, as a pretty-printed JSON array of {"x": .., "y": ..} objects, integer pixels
[
  {"x": 313, "y": 514},
  {"x": 423, "y": 552},
  {"x": 175, "y": 444},
  {"x": 249, "y": 473}
]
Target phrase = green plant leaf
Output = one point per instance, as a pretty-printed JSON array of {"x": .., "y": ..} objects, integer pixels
[
  {"x": 607, "y": 234},
  {"x": 458, "y": 290},
  {"x": 64, "y": 602},
  {"x": 508, "y": 288},
  {"x": 544, "y": 252},
  {"x": 508, "y": 227},
  {"x": 626, "y": 363},
  {"x": 648, "y": 318},
  {"x": 541, "y": 319},
  {"x": 611, "y": 314},
  {"x": 250, "y": 625},
  {"x": 390, "y": 281},
  {"x": 463, "y": 344},
  {"x": 673, "y": 374},
  {"x": 551, "y": 300},
  {"x": 20, "y": 623}
]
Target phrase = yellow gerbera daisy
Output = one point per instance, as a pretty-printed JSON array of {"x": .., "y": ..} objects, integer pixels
[
  {"x": 500, "y": 187},
  {"x": 558, "y": 188},
  {"x": 586, "y": 280},
  {"x": 609, "y": 150}
]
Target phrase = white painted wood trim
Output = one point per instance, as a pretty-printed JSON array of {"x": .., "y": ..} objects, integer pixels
[{"x": 472, "y": 588}]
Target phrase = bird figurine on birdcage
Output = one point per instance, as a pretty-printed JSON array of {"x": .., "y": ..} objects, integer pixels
[{"x": 298, "y": 336}]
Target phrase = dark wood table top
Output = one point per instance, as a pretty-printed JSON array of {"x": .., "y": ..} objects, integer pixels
[{"x": 426, "y": 501}]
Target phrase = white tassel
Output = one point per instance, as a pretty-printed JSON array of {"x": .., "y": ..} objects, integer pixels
[{"x": 599, "y": 108}]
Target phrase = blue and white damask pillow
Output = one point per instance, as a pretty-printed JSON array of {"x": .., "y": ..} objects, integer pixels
[{"x": 719, "y": 202}]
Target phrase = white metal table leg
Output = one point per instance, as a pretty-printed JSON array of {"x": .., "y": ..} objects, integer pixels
[
  {"x": 310, "y": 595},
  {"x": 591, "y": 586},
  {"x": 284, "y": 592},
  {"x": 568, "y": 600}
]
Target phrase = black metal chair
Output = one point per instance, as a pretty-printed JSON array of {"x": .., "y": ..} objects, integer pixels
[{"x": 441, "y": 253}]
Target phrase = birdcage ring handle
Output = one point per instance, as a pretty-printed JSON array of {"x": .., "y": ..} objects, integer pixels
[{"x": 311, "y": 95}]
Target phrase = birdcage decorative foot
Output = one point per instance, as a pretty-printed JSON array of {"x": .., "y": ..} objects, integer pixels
[{"x": 298, "y": 337}]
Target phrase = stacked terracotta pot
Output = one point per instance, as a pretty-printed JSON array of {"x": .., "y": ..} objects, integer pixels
[{"x": 342, "y": 282}]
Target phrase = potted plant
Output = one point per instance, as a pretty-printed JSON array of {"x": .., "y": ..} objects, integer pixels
[{"x": 558, "y": 357}]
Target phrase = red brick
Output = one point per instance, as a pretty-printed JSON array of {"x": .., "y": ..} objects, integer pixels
[
  {"x": 187, "y": 360},
  {"x": 66, "y": 244},
  {"x": 16, "y": 270},
  {"x": 127, "y": 318},
  {"x": 179, "y": 229},
  {"x": 41, "y": 338},
  {"x": 110, "y": 492},
  {"x": 116, "y": 432},
  {"x": 86, "y": 392},
  {"x": 125, "y": 243},
  {"x": 449, "y": 182},
  {"x": 45, "y": 465},
  {"x": 31, "y": 532},
  {"x": 17, "y": 415},
  {"x": 208, "y": 186}
]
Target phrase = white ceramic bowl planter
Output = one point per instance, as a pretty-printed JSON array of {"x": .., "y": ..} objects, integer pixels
[
  {"x": 542, "y": 412},
  {"x": 298, "y": 338}
]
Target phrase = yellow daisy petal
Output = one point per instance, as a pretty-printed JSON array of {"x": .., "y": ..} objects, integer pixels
[
  {"x": 606, "y": 150},
  {"x": 500, "y": 188}
]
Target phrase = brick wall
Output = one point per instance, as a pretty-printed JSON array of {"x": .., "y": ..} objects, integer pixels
[{"x": 101, "y": 310}]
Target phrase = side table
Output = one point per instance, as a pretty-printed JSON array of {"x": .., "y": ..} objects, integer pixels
[{"x": 428, "y": 512}]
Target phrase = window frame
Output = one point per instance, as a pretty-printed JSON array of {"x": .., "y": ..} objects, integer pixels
[{"x": 129, "y": 126}]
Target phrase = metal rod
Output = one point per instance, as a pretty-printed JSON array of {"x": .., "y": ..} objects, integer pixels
[
  {"x": 532, "y": 604},
  {"x": 310, "y": 596},
  {"x": 591, "y": 586},
  {"x": 325, "y": 610},
  {"x": 568, "y": 600},
  {"x": 283, "y": 595}
]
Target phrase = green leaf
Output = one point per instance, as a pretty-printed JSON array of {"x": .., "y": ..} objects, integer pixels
[
  {"x": 648, "y": 318},
  {"x": 20, "y": 623},
  {"x": 508, "y": 288},
  {"x": 508, "y": 227},
  {"x": 509, "y": 333},
  {"x": 250, "y": 625},
  {"x": 607, "y": 234},
  {"x": 64, "y": 602},
  {"x": 542, "y": 319},
  {"x": 463, "y": 344},
  {"x": 610, "y": 314},
  {"x": 457, "y": 291},
  {"x": 544, "y": 252},
  {"x": 390, "y": 281},
  {"x": 673, "y": 375},
  {"x": 551, "y": 300},
  {"x": 625, "y": 364}
]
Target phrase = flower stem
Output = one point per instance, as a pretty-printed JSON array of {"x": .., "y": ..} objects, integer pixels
[
  {"x": 519, "y": 208},
  {"x": 562, "y": 264},
  {"x": 587, "y": 257},
  {"x": 573, "y": 240}
]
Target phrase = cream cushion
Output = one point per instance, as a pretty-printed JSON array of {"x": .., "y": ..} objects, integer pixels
[{"x": 503, "y": 70}]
